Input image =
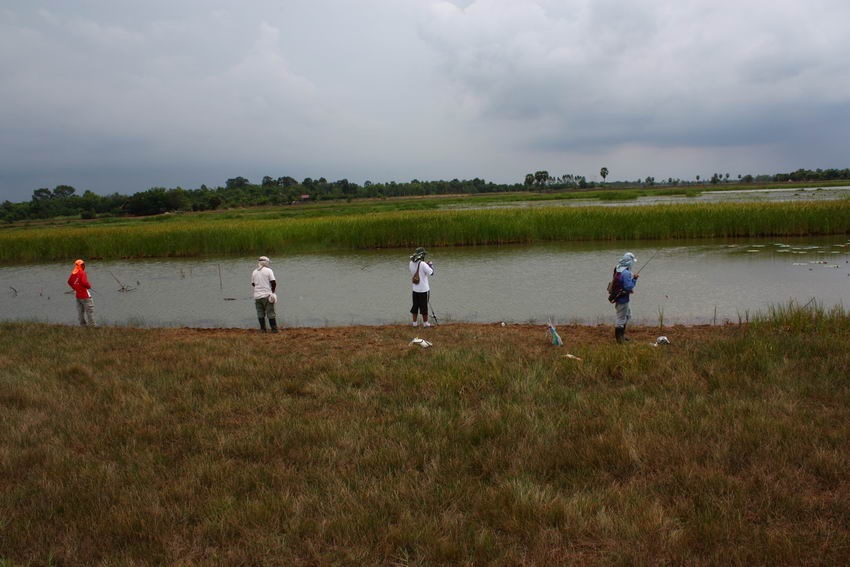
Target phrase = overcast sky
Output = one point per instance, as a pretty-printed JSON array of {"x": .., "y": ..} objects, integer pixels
[{"x": 121, "y": 96}]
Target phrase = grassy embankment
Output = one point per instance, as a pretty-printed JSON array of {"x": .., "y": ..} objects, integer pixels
[
  {"x": 329, "y": 446},
  {"x": 232, "y": 233},
  {"x": 435, "y": 202}
]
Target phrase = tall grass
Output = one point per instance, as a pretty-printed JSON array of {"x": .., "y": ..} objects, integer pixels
[
  {"x": 344, "y": 446},
  {"x": 810, "y": 317},
  {"x": 199, "y": 235}
]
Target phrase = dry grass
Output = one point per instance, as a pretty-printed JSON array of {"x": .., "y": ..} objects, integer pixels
[{"x": 346, "y": 445}]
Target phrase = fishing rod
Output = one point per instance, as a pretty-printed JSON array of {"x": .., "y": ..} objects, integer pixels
[
  {"x": 648, "y": 261},
  {"x": 431, "y": 305}
]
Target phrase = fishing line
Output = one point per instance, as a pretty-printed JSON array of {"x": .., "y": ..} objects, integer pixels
[{"x": 648, "y": 261}]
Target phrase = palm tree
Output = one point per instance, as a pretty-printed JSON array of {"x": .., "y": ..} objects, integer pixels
[{"x": 604, "y": 173}]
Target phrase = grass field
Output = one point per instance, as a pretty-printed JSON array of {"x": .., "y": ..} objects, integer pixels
[
  {"x": 347, "y": 446},
  {"x": 238, "y": 233}
]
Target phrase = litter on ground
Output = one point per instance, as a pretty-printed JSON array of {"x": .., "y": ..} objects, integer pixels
[
  {"x": 421, "y": 342},
  {"x": 556, "y": 338},
  {"x": 573, "y": 357}
]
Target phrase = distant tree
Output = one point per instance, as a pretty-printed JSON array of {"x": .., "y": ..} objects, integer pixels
[
  {"x": 63, "y": 191},
  {"x": 177, "y": 200},
  {"x": 604, "y": 173},
  {"x": 11, "y": 212},
  {"x": 43, "y": 194},
  {"x": 236, "y": 183},
  {"x": 268, "y": 181},
  {"x": 540, "y": 177},
  {"x": 529, "y": 179},
  {"x": 697, "y": 177},
  {"x": 348, "y": 189},
  {"x": 715, "y": 178}
]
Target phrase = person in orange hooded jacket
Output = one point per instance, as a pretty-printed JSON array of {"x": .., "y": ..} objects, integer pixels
[{"x": 79, "y": 282}]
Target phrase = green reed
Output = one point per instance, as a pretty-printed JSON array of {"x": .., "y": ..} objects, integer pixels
[
  {"x": 810, "y": 317},
  {"x": 197, "y": 235}
]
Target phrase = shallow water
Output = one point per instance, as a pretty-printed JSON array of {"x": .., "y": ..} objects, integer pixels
[
  {"x": 687, "y": 282},
  {"x": 774, "y": 195}
]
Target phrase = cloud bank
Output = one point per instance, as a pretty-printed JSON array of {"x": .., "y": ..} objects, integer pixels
[{"x": 119, "y": 96}]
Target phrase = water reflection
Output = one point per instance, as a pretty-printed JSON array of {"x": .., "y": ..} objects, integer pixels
[{"x": 694, "y": 282}]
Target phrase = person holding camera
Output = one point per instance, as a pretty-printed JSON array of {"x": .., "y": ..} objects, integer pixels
[{"x": 420, "y": 271}]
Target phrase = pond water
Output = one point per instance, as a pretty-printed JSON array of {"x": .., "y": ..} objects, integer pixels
[
  {"x": 773, "y": 195},
  {"x": 686, "y": 282}
]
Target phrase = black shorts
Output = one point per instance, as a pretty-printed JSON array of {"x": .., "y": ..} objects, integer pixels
[{"x": 420, "y": 303}]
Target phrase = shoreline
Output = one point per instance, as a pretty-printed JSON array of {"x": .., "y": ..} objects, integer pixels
[{"x": 347, "y": 335}]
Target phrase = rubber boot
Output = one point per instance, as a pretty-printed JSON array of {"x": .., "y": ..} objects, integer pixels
[
  {"x": 262, "y": 324},
  {"x": 273, "y": 325},
  {"x": 625, "y": 338},
  {"x": 619, "y": 333}
]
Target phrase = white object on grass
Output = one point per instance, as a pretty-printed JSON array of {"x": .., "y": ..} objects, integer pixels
[{"x": 421, "y": 342}]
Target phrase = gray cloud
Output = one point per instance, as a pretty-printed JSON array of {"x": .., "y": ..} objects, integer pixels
[{"x": 117, "y": 96}]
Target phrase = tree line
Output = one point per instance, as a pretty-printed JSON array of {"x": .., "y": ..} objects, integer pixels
[{"x": 64, "y": 201}]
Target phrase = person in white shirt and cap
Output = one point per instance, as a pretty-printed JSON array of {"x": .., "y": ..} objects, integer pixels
[
  {"x": 420, "y": 271},
  {"x": 264, "y": 284}
]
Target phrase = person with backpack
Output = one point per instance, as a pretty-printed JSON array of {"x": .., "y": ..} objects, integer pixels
[
  {"x": 264, "y": 284},
  {"x": 79, "y": 282},
  {"x": 622, "y": 286},
  {"x": 420, "y": 270}
]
